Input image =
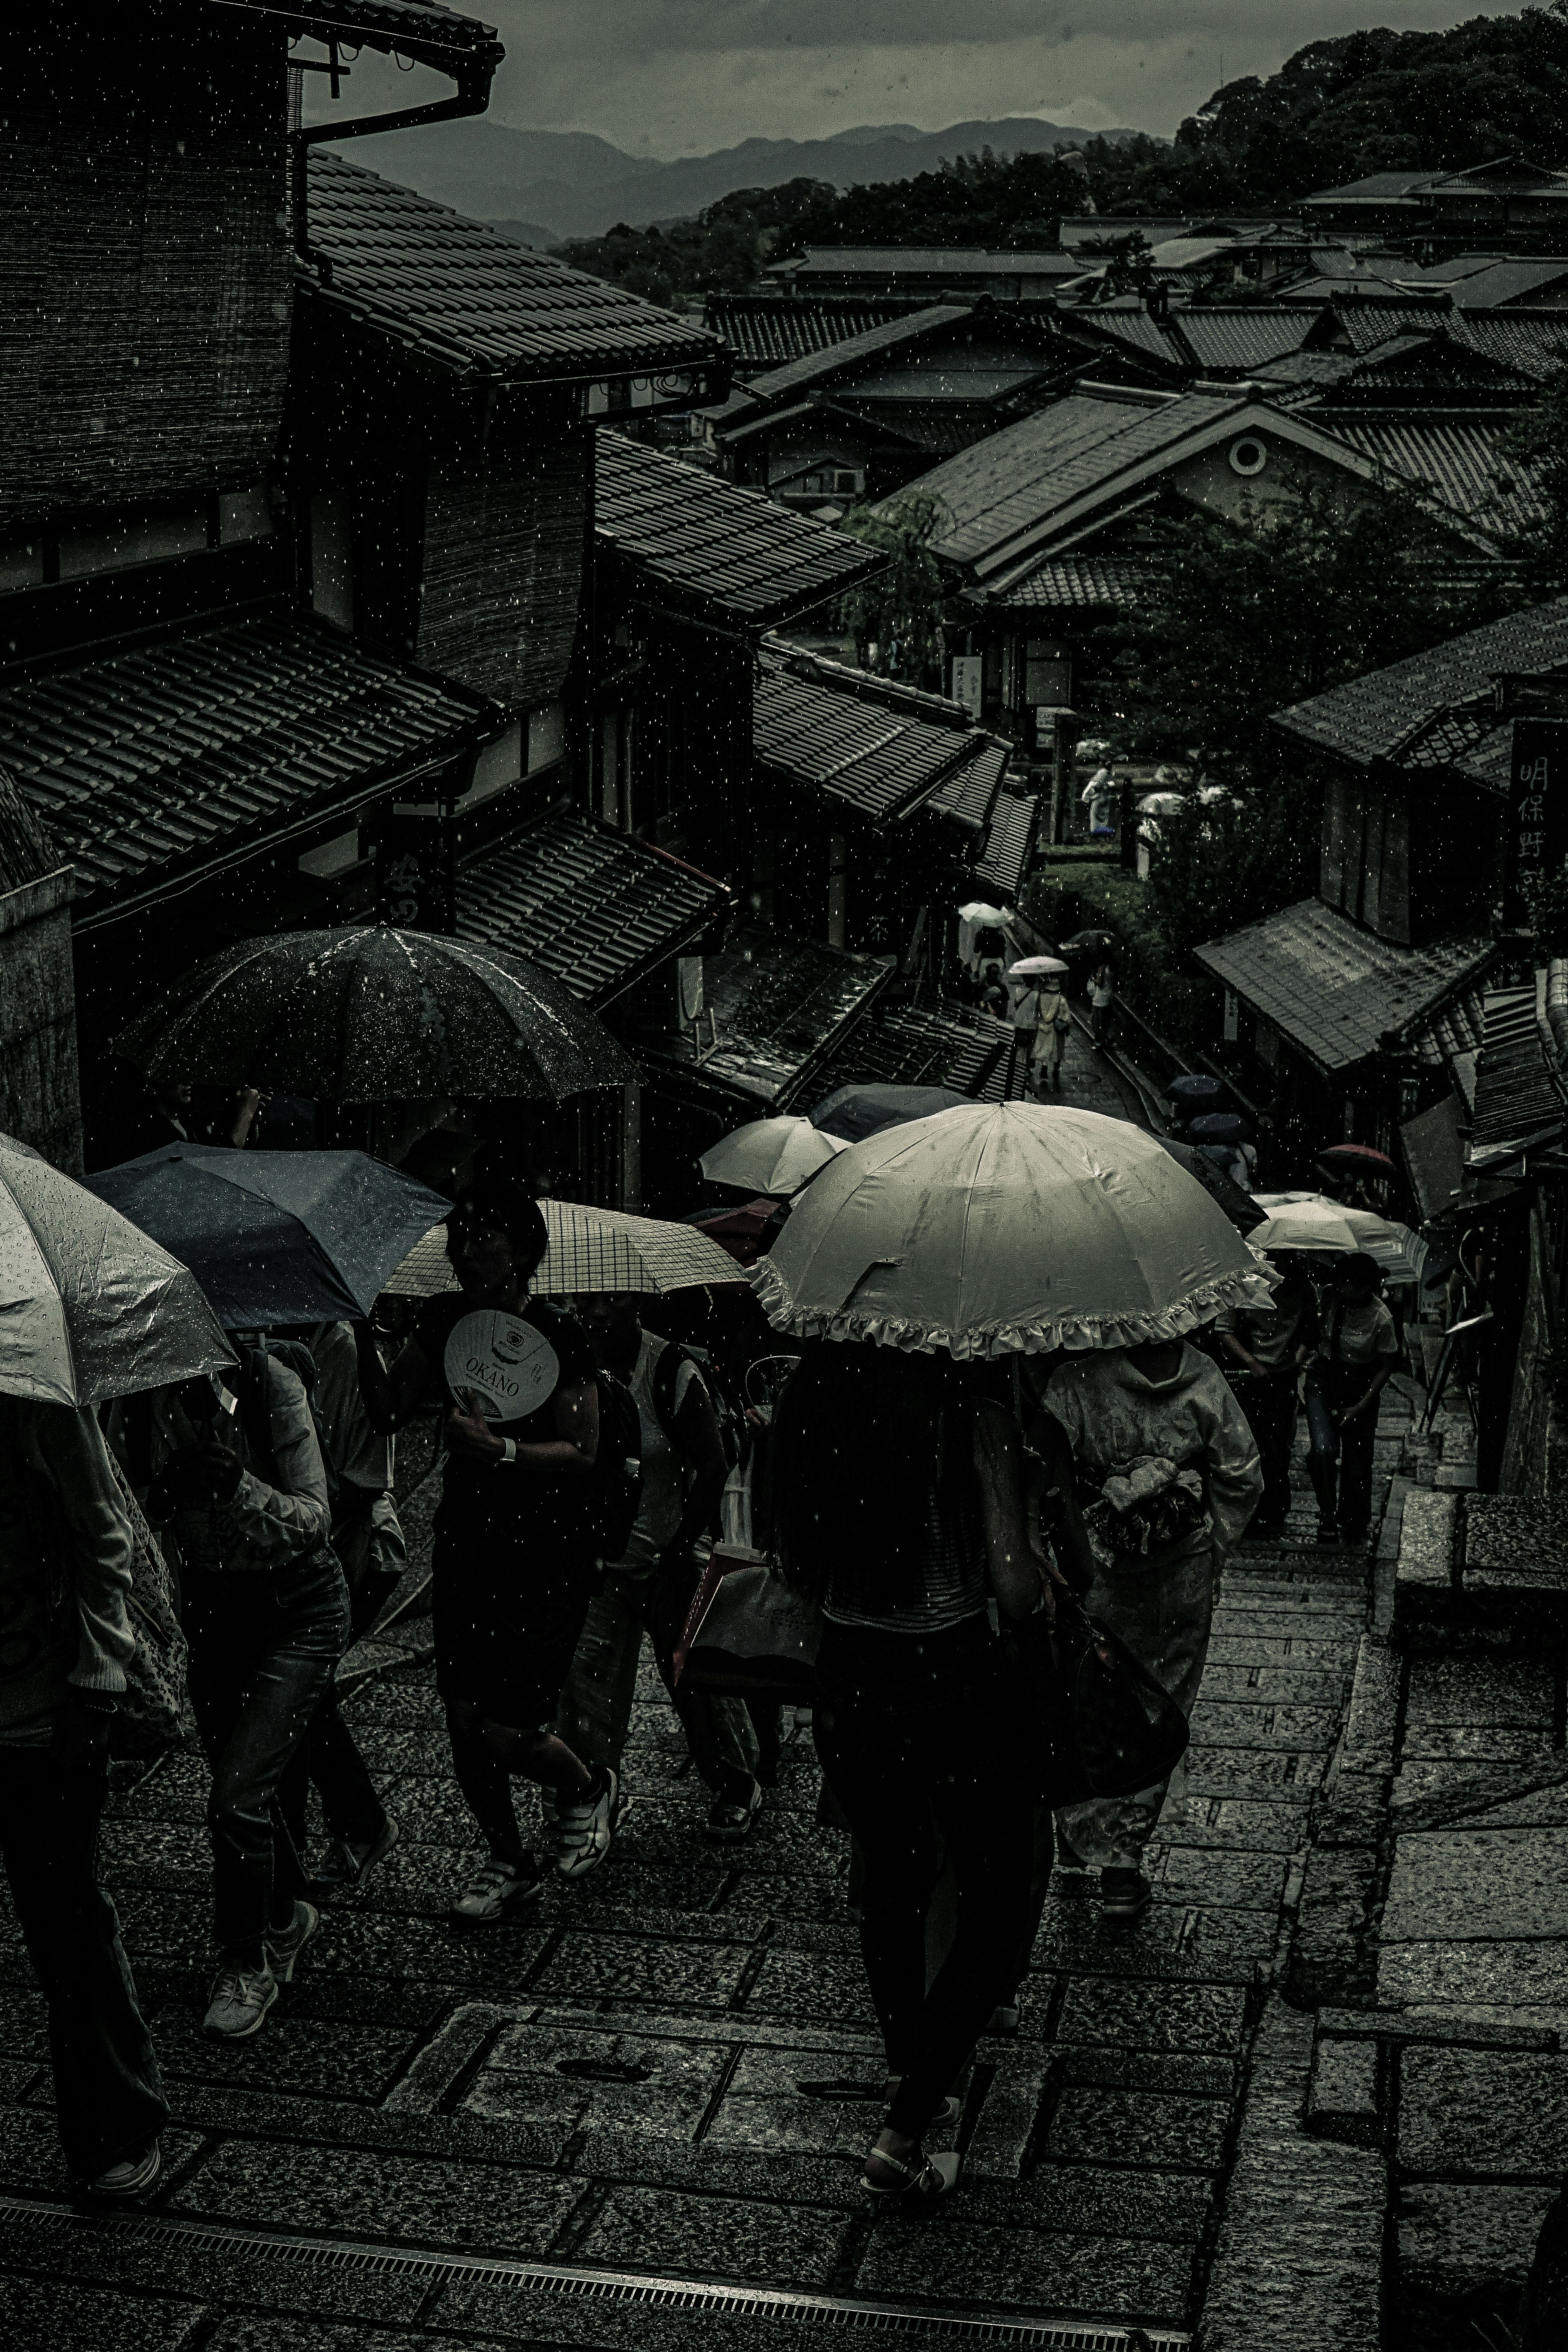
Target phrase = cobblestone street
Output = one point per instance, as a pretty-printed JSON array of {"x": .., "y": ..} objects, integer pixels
[{"x": 670, "y": 2070}]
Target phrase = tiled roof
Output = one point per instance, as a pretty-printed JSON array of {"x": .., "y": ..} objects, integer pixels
[
  {"x": 868, "y": 758},
  {"x": 425, "y": 31},
  {"x": 1377, "y": 187},
  {"x": 1533, "y": 342},
  {"x": 1002, "y": 867},
  {"x": 933, "y": 262},
  {"x": 1227, "y": 336},
  {"x": 1519, "y": 1093},
  {"x": 1509, "y": 281},
  {"x": 710, "y": 547},
  {"x": 1134, "y": 328},
  {"x": 166, "y": 757},
  {"x": 1369, "y": 718},
  {"x": 934, "y": 1045},
  {"x": 766, "y": 330},
  {"x": 964, "y": 797},
  {"x": 1370, "y": 323},
  {"x": 1077, "y": 583},
  {"x": 774, "y": 1009},
  {"x": 1463, "y": 462},
  {"x": 835, "y": 359},
  {"x": 1443, "y": 363},
  {"x": 1014, "y": 481},
  {"x": 1332, "y": 989},
  {"x": 456, "y": 296},
  {"x": 593, "y": 907}
]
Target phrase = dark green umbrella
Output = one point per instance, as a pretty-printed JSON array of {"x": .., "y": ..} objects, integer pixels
[{"x": 372, "y": 1014}]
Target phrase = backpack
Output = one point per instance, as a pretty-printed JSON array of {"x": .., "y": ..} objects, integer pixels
[
  {"x": 666, "y": 1372},
  {"x": 617, "y": 1469}
]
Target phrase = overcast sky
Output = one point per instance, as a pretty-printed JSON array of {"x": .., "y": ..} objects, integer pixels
[{"x": 684, "y": 76}]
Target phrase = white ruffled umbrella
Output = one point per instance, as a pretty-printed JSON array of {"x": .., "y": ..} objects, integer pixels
[
  {"x": 770, "y": 1155},
  {"x": 90, "y": 1308},
  {"x": 1006, "y": 1228}
]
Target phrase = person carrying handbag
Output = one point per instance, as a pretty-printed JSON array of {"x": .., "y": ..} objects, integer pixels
[
  {"x": 1170, "y": 1473},
  {"x": 1050, "y": 1042}
]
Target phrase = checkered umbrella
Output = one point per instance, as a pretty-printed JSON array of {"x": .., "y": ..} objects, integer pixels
[{"x": 590, "y": 1249}]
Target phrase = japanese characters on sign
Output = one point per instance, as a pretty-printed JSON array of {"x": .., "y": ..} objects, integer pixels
[{"x": 1538, "y": 813}]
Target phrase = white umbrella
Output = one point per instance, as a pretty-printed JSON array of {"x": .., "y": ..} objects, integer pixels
[
  {"x": 1035, "y": 967},
  {"x": 770, "y": 1155},
  {"x": 1310, "y": 1220},
  {"x": 590, "y": 1249},
  {"x": 90, "y": 1308},
  {"x": 1007, "y": 1227}
]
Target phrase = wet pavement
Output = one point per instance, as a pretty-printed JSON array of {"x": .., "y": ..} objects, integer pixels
[{"x": 670, "y": 2070}]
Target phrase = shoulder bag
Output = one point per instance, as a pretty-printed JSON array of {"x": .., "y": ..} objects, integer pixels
[{"x": 746, "y": 1631}]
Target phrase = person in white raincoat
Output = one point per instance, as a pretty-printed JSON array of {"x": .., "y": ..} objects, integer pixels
[{"x": 1165, "y": 1410}]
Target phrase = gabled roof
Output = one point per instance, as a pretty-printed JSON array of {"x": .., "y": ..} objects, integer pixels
[
  {"x": 455, "y": 297},
  {"x": 1229, "y": 337},
  {"x": 1131, "y": 326},
  {"x": 1035, "y": 487},
  {"x": 820, "y": 367},
  {"x": 1371, "y": 718},
  {"x": 837, "y": 732},
  {"x": 1006, "y": 853},
  {"x": 767, "y": 331},
  {"x": 691, "y": 540},
  {"x": 595, "y": 907},
  {"x": 172, "y": 757},
  {"x": 1336, "y": 990},
  {"x": 1378, "y": 187}
]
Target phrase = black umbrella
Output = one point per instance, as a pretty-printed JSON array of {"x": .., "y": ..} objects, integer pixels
[
  {"x": 376, "y": 1015},
  {"x": 856, "y": 1112},
  {"x": 1239, "y": 1207},
  {"x": 274, "y": 1236},
  {"x": 1090, "y": 939}
]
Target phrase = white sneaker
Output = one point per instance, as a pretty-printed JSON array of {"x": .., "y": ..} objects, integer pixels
[
  {"x": 582, "y": 1831},
  {"x": 495, "y": 1884},
  {"x": 240, "y": 1999}
]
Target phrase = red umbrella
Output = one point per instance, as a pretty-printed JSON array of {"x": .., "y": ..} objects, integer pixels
[
  {"x": 1360, "y": 1155},
  {"x": 745, "y": 1231}
]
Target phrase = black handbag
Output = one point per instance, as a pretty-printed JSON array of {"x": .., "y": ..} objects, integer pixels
[{"x": 1100, "y": 1724}]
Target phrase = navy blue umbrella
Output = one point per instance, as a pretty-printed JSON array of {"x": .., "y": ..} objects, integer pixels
[
  {"x": 274, "y": 1236},
  {"x": 856, "y": 1112}
]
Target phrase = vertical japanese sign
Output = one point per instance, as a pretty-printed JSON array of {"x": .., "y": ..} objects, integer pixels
[
  {"x": 1538, "y": 814},
  {"x": 416, "y": 877}
]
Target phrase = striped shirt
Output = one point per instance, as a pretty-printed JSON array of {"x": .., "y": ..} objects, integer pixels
[{"x": 946, "y": 1583}]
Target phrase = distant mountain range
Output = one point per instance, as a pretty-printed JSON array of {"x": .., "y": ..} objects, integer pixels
[{"x": 555, "y": 185}]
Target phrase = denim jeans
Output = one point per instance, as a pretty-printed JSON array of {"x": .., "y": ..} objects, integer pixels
[
  {"x": 1340, "y": 1462},
  {"x": 329, "y": 1756},
  {"x": 263, "y": 1648},
  {"x": 109, "y": 2099}
]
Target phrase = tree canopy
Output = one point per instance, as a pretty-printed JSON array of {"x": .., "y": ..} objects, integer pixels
[{"x": 1337, "y": 110}]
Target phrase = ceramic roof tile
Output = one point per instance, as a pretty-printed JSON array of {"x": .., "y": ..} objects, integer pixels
[
  {"x": 165, "y": 756},
  {"x": 868, "y": 758},
  {"x": 767, "y": 331},
  {"x": 1368, "y": 718},
  {"x": 456, "y": 296},
  {"x": 939, "y": 1044},
  {"x": 776, "y": 1008},
  {"x": 712, "y": 546},
  {"x": 594, "y": 907},
  {"x": 1333, "y": 989}
]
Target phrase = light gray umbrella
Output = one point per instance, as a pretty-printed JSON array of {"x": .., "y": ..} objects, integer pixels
[
  {"x": 89, "y": 1307},
  {"x": 373, "y": 1014},
  {"x": 1005, "y": 1228}
]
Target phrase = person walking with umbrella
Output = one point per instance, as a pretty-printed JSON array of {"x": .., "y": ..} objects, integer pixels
[
  {"x": 1271, "y": 1344},
  {"x": 239, "y": 1481},
  {"x": 514, "y": 1563},
  {"x": 1358, "y": 1350},
  {"x": 901, "y": 1509},
  {"x": 1168, "y": 1477}
]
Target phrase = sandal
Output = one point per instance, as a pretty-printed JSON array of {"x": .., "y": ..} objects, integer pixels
[{"x": 933, "y": 2176}]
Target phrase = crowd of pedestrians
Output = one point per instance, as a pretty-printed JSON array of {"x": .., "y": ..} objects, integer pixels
[{"x": 924, "y": 1504}]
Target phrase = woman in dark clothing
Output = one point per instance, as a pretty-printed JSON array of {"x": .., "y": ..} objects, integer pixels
[{"x": 901, "y": 1507}]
